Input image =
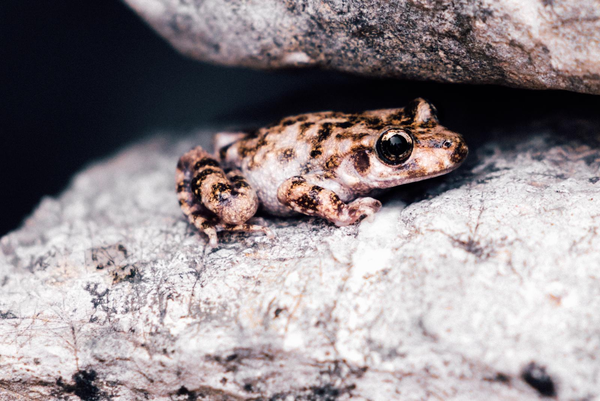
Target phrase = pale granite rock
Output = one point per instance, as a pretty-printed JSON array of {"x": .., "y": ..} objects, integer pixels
[
  {"x": 542, "y": 44},
  {"x": 466, "y": 287}
]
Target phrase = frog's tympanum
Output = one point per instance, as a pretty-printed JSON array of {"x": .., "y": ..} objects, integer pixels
[{"x": 318, "y": 164}]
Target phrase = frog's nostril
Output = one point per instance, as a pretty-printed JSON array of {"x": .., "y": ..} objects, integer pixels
[{"x": 447, "y": 144}]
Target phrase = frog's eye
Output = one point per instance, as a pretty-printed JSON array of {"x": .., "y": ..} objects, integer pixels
[{"x": 394, "y": 147}]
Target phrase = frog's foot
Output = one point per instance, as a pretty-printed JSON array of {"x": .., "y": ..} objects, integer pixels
[
  {"x": 209, "y": 227},
  {"x": 206, "y": 225},
  {"x": 358, "y": 210},
  {"x": 313, "y": 200},
  {"x": 211, "y": 199},
  {"x": 201, "y": 180},
  {"x": 248, "y": 228}
]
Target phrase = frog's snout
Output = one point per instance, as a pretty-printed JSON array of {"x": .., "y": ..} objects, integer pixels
[{"x": 460, "y": 151}]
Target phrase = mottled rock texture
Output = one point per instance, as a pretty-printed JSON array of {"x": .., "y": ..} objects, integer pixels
[
  {"x": 484, "y": 284},
  {"x": 541, "y": 44}
]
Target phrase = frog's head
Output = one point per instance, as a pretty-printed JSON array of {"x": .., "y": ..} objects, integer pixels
[{"x": 416, "y": 148}]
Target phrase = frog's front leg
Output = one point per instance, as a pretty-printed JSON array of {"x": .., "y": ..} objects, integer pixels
[
  {"x": 304, "y": 197},
  {"x": 212, "y": 200}
]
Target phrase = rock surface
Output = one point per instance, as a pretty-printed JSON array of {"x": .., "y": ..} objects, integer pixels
[
  {"x": 541, "y": 44},
  {"x": 484, "y": 284}
]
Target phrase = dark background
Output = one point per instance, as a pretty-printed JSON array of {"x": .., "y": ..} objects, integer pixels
[{"x": 80, "y": 79}]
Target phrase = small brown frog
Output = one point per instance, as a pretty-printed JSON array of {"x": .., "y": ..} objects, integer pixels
[{"x": 319, "y": 164}]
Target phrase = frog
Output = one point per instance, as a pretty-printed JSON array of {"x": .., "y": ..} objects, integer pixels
[{"x": 324, "y": 164}]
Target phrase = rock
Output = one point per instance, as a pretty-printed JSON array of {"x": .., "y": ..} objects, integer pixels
[
  {"x": 483, "y": 284},
  {"x": 539, "y": 44}
]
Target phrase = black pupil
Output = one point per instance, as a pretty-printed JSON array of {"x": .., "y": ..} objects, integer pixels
[
  {"x": 397, "y": 145},
  {"x": 394, "y": 149}
]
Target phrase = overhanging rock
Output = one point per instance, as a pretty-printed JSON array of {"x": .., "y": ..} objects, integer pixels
[{"x": 539, "y": 44}]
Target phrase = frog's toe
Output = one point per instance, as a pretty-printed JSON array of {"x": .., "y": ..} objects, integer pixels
[
  {"x": 358, "y": 210},
  {"x": 213, "y": 240}
]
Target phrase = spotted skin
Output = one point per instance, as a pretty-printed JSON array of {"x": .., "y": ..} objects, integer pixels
[{"x": 319, "y": 164}]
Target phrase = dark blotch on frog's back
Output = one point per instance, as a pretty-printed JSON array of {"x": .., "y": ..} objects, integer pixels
[
  {"x": 343, "y": 124},
  {"x": 304, "y": 127},
  {"x": 245, "y": 150},
  {"x": 324, "y": 132},
  {"x": 370, "y": 122},
  {"x": 316, "y": 151},
  {"x": 286, "y": 122}
]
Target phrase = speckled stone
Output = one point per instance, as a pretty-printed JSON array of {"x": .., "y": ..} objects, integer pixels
[
  {"x": 483, "y": 284},
  {"x": 540, "y": 44}
]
